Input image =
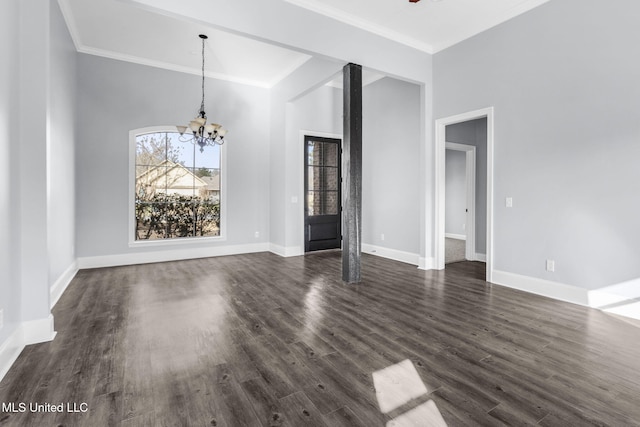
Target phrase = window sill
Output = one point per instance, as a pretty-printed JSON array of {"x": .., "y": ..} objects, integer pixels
[{"x": 180, "y": 241}]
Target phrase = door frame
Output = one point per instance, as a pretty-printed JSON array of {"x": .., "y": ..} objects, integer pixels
[
  {"x": 301, "y": 136},
  {"x": 440, "y": 179},
  {"x": 470, "y": 195}
]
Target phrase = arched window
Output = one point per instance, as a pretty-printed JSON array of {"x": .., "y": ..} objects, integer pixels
[{"x": 176, "y": 188}]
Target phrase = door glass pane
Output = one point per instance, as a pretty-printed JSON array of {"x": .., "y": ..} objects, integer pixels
[
  {"x": 322, "y": 203},
  {"x": 322, "y": 179},
  {"x": 322, "y": 153},
  {"x": 311, "y": 198}
]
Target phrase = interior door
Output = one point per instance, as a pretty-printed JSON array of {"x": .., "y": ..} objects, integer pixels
[{"x": 322, "y": 200}]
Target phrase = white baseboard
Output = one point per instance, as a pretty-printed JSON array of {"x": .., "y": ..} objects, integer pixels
[
  {"x": 27, "y": 333},
  {"x": 455, "y": 236},
  {"x": 169, "y": 255},
  {"x": 546, "y": 288},
  {"x": 480, "y": 257},
  {"x": 10, "y": 350},
  {"x": 286, "y": 251},
  {"x": 393, "y": 254},
  {"x": 60, "y": 285},
  {"x": 426, "y": 263},
  {"x": 39, "y": 330}
]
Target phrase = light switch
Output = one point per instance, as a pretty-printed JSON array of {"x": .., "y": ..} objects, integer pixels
[
  {"x": 509, "y": 202},
  {"x": 294, "y": 199}
]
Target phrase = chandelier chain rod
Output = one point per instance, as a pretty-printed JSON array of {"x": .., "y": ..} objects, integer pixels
[{"x": 202, "y": 104}]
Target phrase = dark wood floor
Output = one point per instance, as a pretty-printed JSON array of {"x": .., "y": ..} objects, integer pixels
[{"x": 259, "y": 340}]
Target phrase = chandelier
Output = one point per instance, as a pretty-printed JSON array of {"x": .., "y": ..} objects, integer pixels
[{"x": 203, "y": 134}]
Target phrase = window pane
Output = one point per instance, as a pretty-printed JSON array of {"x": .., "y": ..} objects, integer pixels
[
  {"x": 208, "y": 158},
  {"x": 322, "y": 153},
  {"x": 151, "y": 149},
  {"x": 207, "y": 218},
  {"x": 180, "y": 152},
  {"x": 208, "y": 184},
  {"x": 180, "y": 181},
  {"x": 311, "y": 203},
  {"x": 321, "y": 178},
  {"x": 150, "y": 221},
  {"x": 179, "y": 217},
  {"x": 322, "y": 203}
]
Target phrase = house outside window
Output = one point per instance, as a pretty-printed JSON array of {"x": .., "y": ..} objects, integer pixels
[{"x": 176, "y": 188}]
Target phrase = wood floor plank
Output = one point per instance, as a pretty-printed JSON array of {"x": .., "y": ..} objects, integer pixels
[
  {"x": 265, "y": 404},
  {"x": 343, "y": 417},
  {"x": 300, "y": 411}
]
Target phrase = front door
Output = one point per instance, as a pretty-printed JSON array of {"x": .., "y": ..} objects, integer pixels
[{"x": 322, "y": 200}]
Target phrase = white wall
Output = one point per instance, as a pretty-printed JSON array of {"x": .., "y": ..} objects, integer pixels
[
  {"x": 61, "y": 164},
  {"x": 455, "y": 192},
  {"x": 115, "y": 97},
  {"x": 9, "y": 196},
  {"x": 563, "y": 79},
  {"x": 391, "y": 166},
  {"x": 34, "y": 120}
]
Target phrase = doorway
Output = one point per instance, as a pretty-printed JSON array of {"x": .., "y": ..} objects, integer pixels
[
  {"x": 460, "y": 203},
  {"x": 439, "y": 232},
  {"x": 322, "y": 193}
]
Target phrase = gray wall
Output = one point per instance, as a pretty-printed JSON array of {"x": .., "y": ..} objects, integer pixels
[
  {"x": 455, "y": 192},
  {"x": 284, "y": 160},
  {"x": 115, "y": 97},
  {"x": 391, "y": 185},
  {"x": 61, "y": 173},
  {"x": 319, "y": 111},
  {"x": 9, "y": 194},
  {"x": 474, "y": 132},
  {"x": 563, "y": 79}
]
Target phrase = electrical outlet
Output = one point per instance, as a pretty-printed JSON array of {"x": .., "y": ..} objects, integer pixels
[
  {"x": 256, "y": 234},
  {"x": 551, "y": 265},
  {"x": 382, "y": 237},
  {"x": 508, "y": 202}
]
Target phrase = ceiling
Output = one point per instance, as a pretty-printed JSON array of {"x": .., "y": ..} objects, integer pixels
[
  {"x": 429, "y": 25},
  {"x": 120, "y": 30}
]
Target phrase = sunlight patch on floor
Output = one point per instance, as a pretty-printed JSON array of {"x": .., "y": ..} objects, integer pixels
[
  {"x": 398, "y": 385},
  {"x": 631, "y": 310},
  {"x": 425, "y": 415}
]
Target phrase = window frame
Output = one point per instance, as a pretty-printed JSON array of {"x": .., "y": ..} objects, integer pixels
[{"x": 133, "y": 134}]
